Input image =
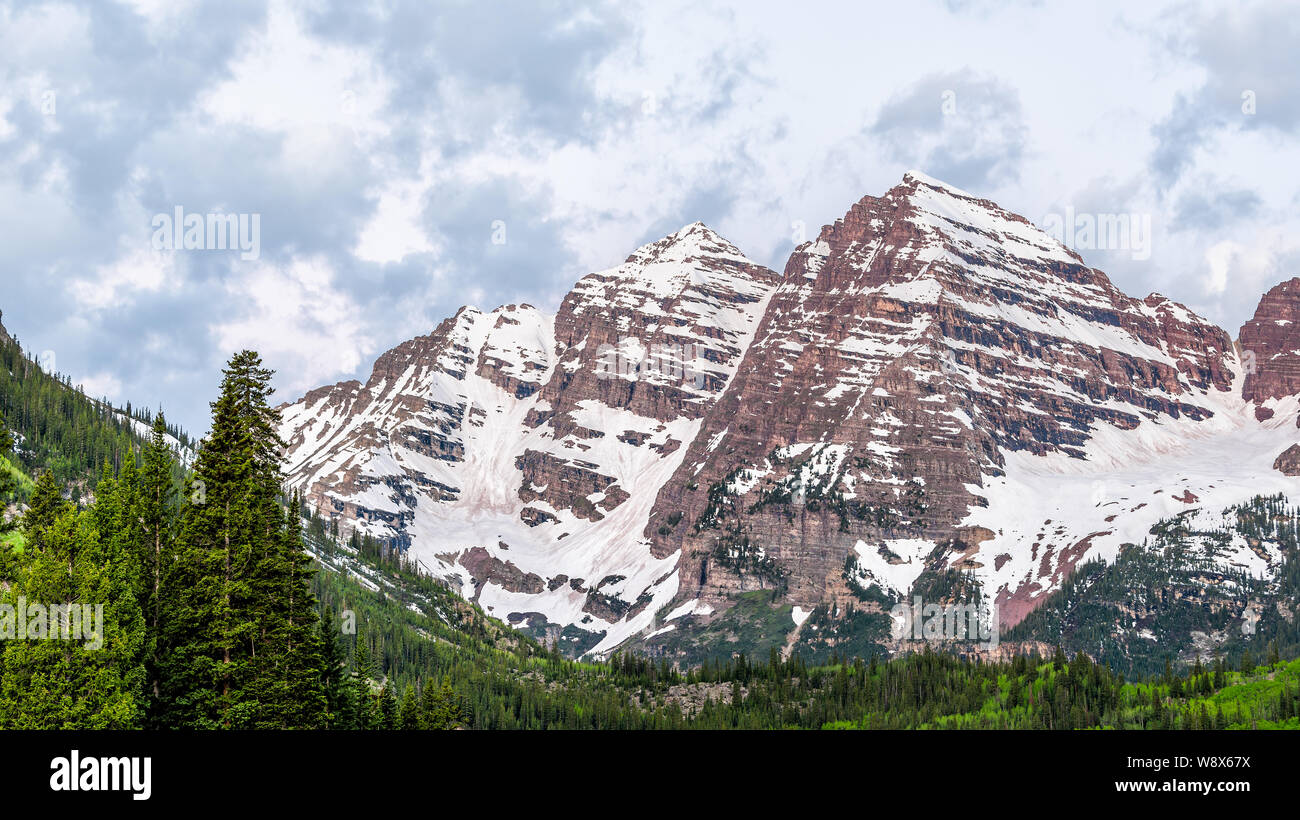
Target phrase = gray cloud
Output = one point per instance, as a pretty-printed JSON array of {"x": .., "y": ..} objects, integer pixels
[
  {"x": 498, "y": 235},
  {"x": 531, "y": 116},
  {"x": 126, "y": 135},
  {"x": 535, "y": 57},
  {"x": 1251, "y": 83},
  {"x": 1211, "y": 207},
  {"x": 965, "y": 129}
]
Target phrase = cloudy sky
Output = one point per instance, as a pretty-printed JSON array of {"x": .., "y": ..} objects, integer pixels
[{"x": 387, "y": 148}]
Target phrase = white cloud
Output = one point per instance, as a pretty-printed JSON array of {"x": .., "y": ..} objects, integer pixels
[
  {"x": 1243, "y": 271},
  {"x": 394, "y": 230},
  {"x": 103, "y": 385},
  {"x": 1219, "y": 259},
  {"x": 43, "y": 34},
  {"x": 298, "y": 319},
  {"x": 365, "y": 147},
  {"x": 160, "y": 14},
  {"x": 323, "y": 99},
  {"x": 137, "y": 270}
]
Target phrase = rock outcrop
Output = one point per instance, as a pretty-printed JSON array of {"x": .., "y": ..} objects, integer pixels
[
  {"x": 1288, "y": 461},
  {"x": 1270, "y": 348}
]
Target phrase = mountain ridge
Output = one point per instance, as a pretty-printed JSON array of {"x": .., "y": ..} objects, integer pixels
[
  {"x": 507, "y": 422},
  {"x": 629, "y": 466}
]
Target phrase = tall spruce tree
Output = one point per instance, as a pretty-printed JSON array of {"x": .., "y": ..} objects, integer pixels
[
  {"x": 408, "y": 715},
  {"x": 366, "y": 715},
  {"x": 153, "y": 513},
  {"x": 333, "y": 672},
  {"x": 238, "y": 616},
  {"x": 440, "y": 707},
  {"x": 291, "y": 683},
  {"x": 44, "y": 508},
  {"x": 387, "y": 708}
]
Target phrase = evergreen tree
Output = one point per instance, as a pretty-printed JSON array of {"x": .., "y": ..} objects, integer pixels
[
  {"x": 408, "y": 715},
  {"x": 239, "y": 623},
  {"x": 387, "y": 708},
  {"x": 303, "y": 660},
  {"x": 83, "y": 669},
  {"x": 190, "y": 644},
  {"x": 1058, "y": 659},
  {"x": 366, "y": 714},
  {"x": 333, "y": 679},
  {"x": 45, "y": 507},
  {"x": 153, "y": 511},
  {"x": 440, "y": 707}
]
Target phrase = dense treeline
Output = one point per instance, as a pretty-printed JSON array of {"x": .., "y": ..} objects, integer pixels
[
  {"x": 206, "y": 617},
  {"x": 10, "y": 476},
  {"x": 1273, "y": 518},
  {"x": 1138, "y": 611},
  {"x": 503, "y": 679},
  {"x": 221, "y": 610},
  {"x": 61, "y": 429},
  {"x": 209, "y": 618}
]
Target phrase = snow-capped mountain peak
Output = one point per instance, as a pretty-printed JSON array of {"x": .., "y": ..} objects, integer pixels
[
  {"x": 521, "y": 453},
  {"x": 693, "y": 241},
  {"x": 929, "y": 388}
]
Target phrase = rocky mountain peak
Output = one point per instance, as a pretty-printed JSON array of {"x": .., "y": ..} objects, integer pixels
[
  {"x": 921, "y": 399},
  {"x": 691, "y": 243},
  {"x": 925, "y": 342},
  {"x": 1270, "y": 348}
]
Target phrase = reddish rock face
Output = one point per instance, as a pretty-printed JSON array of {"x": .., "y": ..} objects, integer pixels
[
  {"x": 1270, "y": 347},
  {"x": 340, "y": 439},
  {"x": 912, "y": 344},
  {"x": 517, "y": 451},
  {"x": 657, "y": 337},
  {"x": 901, "y": 406},
  {"x": 1288, "y": 461}
]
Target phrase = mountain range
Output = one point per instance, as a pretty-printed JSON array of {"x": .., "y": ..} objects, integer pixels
[{"x": 934, "y": 399}]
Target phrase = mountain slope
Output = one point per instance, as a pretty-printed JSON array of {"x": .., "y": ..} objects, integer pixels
[
  {"x": 521, "y": 453},
  {"x": 1198, "y": 586},
  {"x": 936, "y": 386},
  {"x": 934, "y": 396},
  {"x": 58, "y": 427}
]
